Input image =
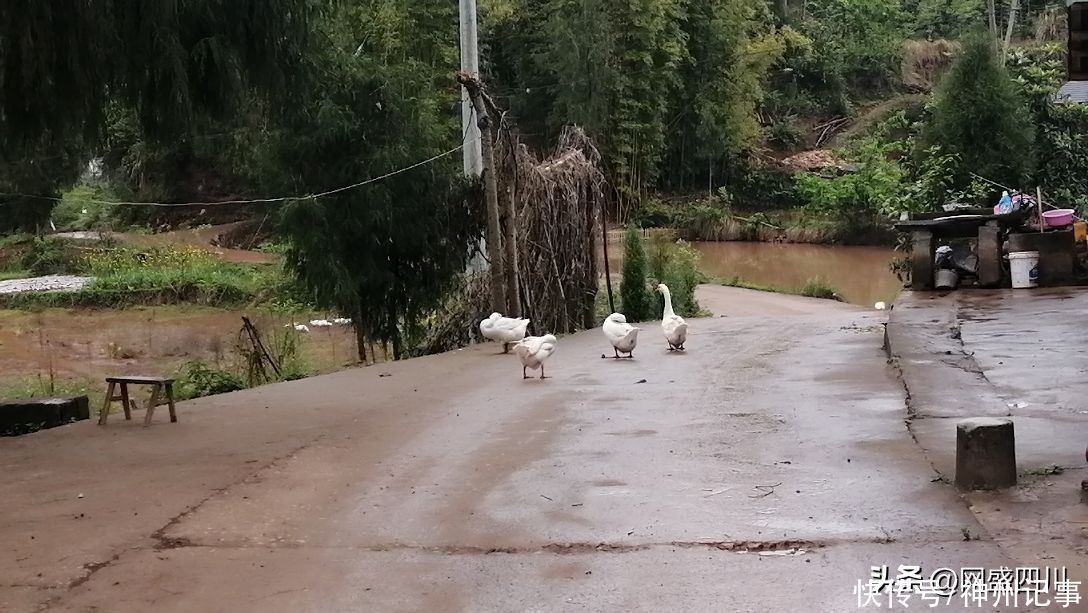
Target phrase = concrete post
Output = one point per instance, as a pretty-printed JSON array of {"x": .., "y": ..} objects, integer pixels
[
  {"x": 985, "y": 454},
  {"x": 989, "y": 255},
  {"x": 921, "y": 260}
]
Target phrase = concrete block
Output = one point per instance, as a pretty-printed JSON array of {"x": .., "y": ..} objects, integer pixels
[
  {"x": 921, "y": 260},
  {"x": 24, "y": 416},
  {"x": 985, "y": 453},
  {"x": 1055, "y": 254},
  {"x": 989, "y": 255}
]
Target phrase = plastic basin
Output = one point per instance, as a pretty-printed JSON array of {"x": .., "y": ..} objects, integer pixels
[{"x": 1058, "y": 218}]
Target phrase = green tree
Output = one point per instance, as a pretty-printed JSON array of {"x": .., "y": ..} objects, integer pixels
[
  {"x": 860, "y": 38},
  {"x": 1061, "y": 136},
  {"x": 945, "y": 18},
  {"x": 634, "y": 295},
  {"x": 383, "y": 254},
  {"x": 649, "y": 48},
  {"x": 579, "y": 56},
  {"x": 610, "y": 66},
  {"x": 980, "y": 118},
  {"x": 169, "y": 62},
  {"x": 730, "y": 49}
]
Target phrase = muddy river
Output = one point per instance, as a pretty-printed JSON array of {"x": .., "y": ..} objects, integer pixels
[{"x": 859, "y": 274}]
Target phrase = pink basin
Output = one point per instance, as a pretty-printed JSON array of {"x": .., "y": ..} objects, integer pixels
[{"x": 1058, "y": 217}]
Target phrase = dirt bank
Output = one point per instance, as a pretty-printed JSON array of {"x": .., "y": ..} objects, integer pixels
[
  {"x": 209, "y": 238},
  {"x": 82, "y": 347}
]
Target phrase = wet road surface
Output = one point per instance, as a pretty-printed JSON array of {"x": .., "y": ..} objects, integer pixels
[
  {"x": 764, "y": 469},
  {"x": 1015, "y": 354}
]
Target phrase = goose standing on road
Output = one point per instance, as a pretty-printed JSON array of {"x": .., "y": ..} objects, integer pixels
[
  {"x": 674, "y": 326},
  {"x": 533, "y": 350},
  {"x": 505, "y": 330},
  {"x": 621, "y": 334}
]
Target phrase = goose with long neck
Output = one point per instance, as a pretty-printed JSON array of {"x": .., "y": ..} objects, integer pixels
[{"x": 674, "y": 326}]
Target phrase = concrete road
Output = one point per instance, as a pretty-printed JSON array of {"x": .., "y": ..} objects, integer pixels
[
  {"x": 767, "y": 468},
  {"x": 1017, "y": 355}
]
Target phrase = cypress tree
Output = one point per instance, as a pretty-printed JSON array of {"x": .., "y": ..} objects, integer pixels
[
  {"x": 634, "y": 295},
  {"x": 980, "y": 117}
]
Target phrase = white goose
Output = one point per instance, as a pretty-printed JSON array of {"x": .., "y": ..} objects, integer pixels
[
  {"x": 533, "y": 350},
  {"x": 621, "y": 334},
  {"x": 674, "y": 326},
  {"x": 505, "y": 330}
]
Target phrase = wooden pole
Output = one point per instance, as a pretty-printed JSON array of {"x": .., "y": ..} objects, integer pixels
[
  {"x": 491, "y": 192},
  {"x": 1039, "y": 204},
  {"x": 509, "y": 226},
  {"x": 604, "y": 244}
]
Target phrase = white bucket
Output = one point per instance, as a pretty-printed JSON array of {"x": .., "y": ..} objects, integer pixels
[{"x": 1024, "y": 266}]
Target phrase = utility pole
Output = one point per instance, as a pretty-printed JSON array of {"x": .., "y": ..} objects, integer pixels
[
  {"x": 470, "y": 64},
  {"x": 470, "y": 132}
]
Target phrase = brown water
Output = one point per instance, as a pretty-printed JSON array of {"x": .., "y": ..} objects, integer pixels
[
  {"x": 81, "y": 347},
  {"x": 860, "y": 275}
]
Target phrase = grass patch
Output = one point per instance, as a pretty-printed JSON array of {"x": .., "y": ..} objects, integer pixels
[
  {"x": 126, "y": 277},
  {"x": 196, "y": 379},
  {"x": 42, "y": 386},
  {"x": 8, "y": 275},
  {"x": 814, "y": 288},
  {"x": 1044, "y": 471},
  {"x": 820, "y": 288},
  {"x": 759, "y": 287}
]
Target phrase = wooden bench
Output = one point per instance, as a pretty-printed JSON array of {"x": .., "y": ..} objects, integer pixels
[{"x": 158, "y": 385}]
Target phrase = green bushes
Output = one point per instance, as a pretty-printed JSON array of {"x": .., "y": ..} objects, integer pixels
[
  {"x": 820, "y": 288},
  {"x": 673, "y": 263},
  {"x": 657, "y": 213},
  {"x": 83, "y": 208},
  {"x": 50, "y": 256},
  {"x": 855, "y": 197},
  {"x": 785, "y": 133},
  {"x": 196, "y": 379},
  {"x": 700, "y": 217},
  {"x": 676, "y": 264}
]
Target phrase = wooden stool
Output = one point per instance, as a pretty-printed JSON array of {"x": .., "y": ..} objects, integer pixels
[{"x": 158, "y": 384}]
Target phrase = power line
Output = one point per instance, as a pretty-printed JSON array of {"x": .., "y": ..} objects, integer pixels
[{"x": 255, "y": 200}]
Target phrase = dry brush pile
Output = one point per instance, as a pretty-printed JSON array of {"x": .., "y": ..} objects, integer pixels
[{"x": 558, "y": 202}]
